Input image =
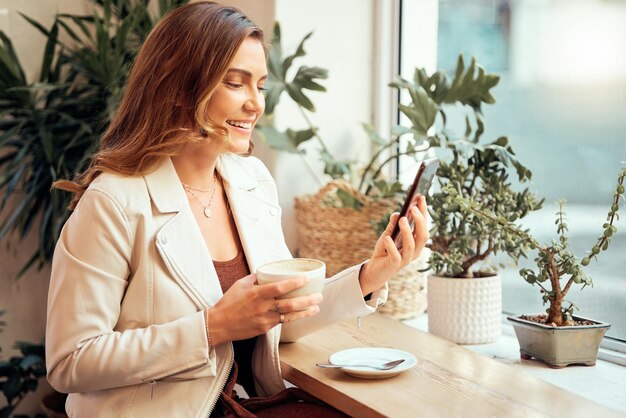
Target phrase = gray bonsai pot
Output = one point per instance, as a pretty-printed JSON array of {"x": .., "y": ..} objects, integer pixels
[{"x": 559, "y": 346}]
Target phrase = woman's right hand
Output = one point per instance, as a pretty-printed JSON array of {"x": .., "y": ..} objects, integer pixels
[{"x": 249, "y": 309}]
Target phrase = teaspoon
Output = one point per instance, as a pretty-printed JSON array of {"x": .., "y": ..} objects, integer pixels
[{"x": 385, "y": 366}]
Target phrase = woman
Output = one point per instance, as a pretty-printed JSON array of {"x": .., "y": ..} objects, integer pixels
[{"x": 152, "y": 307}]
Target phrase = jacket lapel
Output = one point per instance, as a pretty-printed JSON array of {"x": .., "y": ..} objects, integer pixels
[
  {"x": 180, "y": 243},
  {"x": 256, "y": 217}
]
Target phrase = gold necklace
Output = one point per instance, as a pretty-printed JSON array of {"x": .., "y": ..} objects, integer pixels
[
  {"x": 198, "y": 189},
  {"x": 206, "y": 208}
]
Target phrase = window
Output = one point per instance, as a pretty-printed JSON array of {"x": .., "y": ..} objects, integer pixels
[{"x": 561, "y": 101}]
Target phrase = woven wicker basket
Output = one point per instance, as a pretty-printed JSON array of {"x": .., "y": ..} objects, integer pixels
[{"x": 343, "y": 237}]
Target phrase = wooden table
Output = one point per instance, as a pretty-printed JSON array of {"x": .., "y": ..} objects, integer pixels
[{"x": 448, "y": 380}]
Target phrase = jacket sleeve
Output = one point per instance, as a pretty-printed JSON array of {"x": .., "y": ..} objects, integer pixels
[
  {"x": 90, "y": 272},
  {"x": 343, "y": 299}
]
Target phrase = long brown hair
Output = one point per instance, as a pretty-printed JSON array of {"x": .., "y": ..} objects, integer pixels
[{"x": 178, "y": 67}]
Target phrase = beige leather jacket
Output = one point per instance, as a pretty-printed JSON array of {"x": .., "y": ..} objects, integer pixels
[{"x": 131, "y": 276}]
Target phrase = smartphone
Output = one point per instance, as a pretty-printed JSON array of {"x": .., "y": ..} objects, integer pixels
[{"x": 421, "y": 184}]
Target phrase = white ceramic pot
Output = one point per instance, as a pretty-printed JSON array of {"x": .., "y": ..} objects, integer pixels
[{"x": 465, "y": 311}]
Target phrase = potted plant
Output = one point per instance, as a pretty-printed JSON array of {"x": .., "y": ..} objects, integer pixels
[
  {"x": 48, "y": 128},
  {"x": 355, "y": 202},
  {"x": 20, "y": 374},
  {"x": 358, "y": 194},
  {"x": 557, "y": 337},
  {"x": 464, "y": 292}
]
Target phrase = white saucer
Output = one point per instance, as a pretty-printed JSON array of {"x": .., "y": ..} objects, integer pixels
[{"x": 372, "y": 355}]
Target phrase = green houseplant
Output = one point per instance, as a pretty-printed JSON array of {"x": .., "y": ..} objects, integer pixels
[
  {"x": 19, "y": 375},
  {"x": 557, "y": 337},
  {"x": 365, "y": 177},
  {"x": 462, "y": 242},
  {"x": 348, "y": 201},
  {"x": 355, "y": 199},
  {"x": 48, "y": 128}
]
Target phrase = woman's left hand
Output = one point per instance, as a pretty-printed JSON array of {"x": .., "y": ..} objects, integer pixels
[{"x": 387, "y": 260}]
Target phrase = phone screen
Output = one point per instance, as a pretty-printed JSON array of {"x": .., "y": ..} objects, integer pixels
[{"x": 421, "y": 184}]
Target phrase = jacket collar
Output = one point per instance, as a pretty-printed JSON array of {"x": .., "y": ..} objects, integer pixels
[
  {"x": 235, "y": 173},
  {"x": 168, "y": 194}
]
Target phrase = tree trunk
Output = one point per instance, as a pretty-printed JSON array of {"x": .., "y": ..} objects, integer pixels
[{"x": 554, "y": 314}]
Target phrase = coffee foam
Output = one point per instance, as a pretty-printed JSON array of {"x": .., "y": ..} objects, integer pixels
[{"x": 291, "y": 266}]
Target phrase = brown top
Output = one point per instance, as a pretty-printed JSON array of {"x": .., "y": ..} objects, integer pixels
[
  {"x": 232, "y": 270},
  {"x": 229, "y": 272}
]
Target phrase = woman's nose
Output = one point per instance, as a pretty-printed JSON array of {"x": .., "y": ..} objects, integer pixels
[{"x": 256, "y": 102}]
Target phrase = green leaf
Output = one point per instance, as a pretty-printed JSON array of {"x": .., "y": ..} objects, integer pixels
[
  {"x": 275, "y": 61},
  {"x": 421, "y": 111},
  {"x": 299, "y": 53},
  {"x": 36, "y": 24},
  {"x": 298, "y": 96},
  {"x": 283, "y": 141},
  {"x": 272, "y": 95},
  {"x": 374, "y": 137},
  {"x": 348, "y": 200},
  {"x": 481, "y": 126},
  {"x": 306, "y": 78},
  {"x": 298, "y": 137},
  {"x": 460, "y": 68},
  {"x": 11, "y": 387},
  {"x": 471, "y": 86},
  {"x": 49, "y": 53},
  {"x": 400, "y": 130},
  {"x": 81, "y": 22},
  {"x": 336, "y": 169},
  {"x": 69, "y": 31},
  {"x": 11, "y": 63},
  {"x": 30, "y": 361}
]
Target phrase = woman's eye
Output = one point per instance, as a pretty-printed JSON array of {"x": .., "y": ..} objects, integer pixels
[
  {"x": 233, "y": 85},
  {"x": 261, "y": 88}
]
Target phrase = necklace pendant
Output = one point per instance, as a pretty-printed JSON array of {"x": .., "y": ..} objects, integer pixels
[{"x": 207, "y": 212}]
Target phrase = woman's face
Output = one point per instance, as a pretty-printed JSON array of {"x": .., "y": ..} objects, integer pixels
[{"x": 238, "y": 102}]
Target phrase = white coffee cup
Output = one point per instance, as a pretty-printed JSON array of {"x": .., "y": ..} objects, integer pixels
[{"x": 312, "y": 269}]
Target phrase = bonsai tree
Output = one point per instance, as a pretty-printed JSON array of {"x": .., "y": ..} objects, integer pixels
[
  {"x": 479, "y": 172},
  {"x": 558, "y": 269}
]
